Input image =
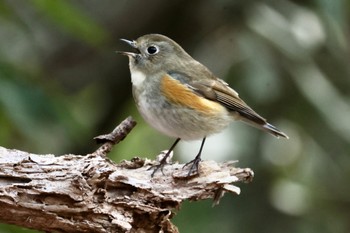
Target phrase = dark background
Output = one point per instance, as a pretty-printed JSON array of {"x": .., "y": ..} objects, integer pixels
[{"x": 61, "y": 84}]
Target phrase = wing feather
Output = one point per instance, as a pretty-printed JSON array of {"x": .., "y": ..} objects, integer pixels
[{"x": 217, "y": 90}]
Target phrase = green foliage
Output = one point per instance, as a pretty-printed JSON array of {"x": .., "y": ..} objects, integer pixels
[{"x": 72, "y": 20}]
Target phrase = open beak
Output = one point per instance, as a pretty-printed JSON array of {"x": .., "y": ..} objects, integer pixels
[{"x": 132, "y": 44}]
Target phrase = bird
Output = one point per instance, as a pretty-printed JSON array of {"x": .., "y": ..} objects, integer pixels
[{"x": 182, "y": 98}]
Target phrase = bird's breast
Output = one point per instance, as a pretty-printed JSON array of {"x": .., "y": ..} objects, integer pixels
[{"x": 175, "y": 110}]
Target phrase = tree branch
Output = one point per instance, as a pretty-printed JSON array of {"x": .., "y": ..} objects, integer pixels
[{"x": 74, "y": 193}]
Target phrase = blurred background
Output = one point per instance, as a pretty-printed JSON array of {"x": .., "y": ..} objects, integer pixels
[{"x": 61, "y": 84}]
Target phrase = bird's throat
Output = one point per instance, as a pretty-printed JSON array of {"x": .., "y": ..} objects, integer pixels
[{"x": 137, "y": 78}]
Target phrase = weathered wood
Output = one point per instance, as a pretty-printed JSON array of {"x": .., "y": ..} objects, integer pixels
[{"x": 74, "y": 193}]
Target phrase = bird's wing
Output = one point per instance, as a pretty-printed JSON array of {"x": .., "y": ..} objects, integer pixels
[{"x": 217, "y": 90}]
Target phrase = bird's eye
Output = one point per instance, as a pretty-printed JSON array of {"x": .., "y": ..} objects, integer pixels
[{"x": 152, "y": 50}]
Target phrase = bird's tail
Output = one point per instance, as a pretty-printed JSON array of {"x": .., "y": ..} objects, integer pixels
[
  {"x": 267, "y": 127},
  {"x": 273, "y": 130}
]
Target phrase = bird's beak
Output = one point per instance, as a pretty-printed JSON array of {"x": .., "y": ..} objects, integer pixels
[{"x": 132, "y": 43}]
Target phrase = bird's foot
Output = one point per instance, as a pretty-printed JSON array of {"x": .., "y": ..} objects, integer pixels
[
  {"x": 164, "y": 158},
  {"x": 194, "y": 167}
]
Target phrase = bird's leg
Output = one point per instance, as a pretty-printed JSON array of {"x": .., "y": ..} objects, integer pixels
[
  {"x": 196, "y": 160},
  {"x": 163, "y": 160}
]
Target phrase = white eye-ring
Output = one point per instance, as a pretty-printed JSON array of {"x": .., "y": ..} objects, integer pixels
[{"x": 151, "y": 50}]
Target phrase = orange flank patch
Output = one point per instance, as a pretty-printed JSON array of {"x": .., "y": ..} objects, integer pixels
[{"x": 178, "y": 93}]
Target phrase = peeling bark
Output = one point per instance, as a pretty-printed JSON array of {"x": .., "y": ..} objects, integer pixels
[{"x": 75, "y": 193}]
